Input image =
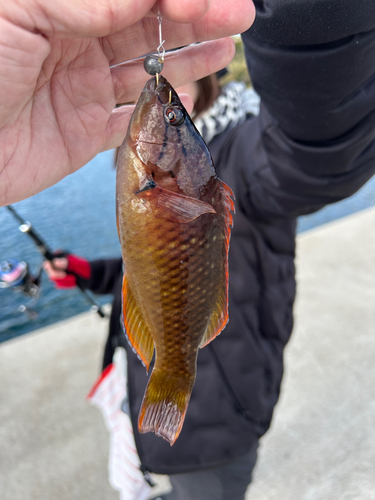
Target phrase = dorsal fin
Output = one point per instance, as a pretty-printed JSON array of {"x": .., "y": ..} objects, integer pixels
[
  {"x": 229, "y": 208},
  {"x": 136, "y": 328},
  {"x": 219, "y": 317}
]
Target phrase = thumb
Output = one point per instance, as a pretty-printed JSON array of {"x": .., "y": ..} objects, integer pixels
[{"x": 60, "y": 263}]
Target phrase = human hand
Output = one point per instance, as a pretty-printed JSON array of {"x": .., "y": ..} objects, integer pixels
[
  {"x": 58, "y": 92},
  {"x": 64, "y": 270}
]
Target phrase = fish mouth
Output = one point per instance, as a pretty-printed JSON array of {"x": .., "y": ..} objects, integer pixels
[
  {"x": 162, "y": 89},
  {"x": 149, "y": 112}
]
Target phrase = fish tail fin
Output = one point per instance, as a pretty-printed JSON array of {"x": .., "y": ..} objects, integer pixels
[{"x": 164, "y": 404}]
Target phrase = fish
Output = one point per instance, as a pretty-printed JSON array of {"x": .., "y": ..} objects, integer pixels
[{"x": 174, "y": 218}]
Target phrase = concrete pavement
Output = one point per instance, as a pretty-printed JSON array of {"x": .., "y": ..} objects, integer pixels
[
  {"x": 322, "y": 442},
  {"x": 54, "y": 446}
]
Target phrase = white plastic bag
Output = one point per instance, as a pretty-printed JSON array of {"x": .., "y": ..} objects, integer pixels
[{"x": 109, "y": 394}]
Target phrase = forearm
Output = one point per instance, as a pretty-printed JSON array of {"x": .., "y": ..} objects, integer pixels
[
  {"x": 317, "y": 121},
  {"x": 104, "y": 274}
]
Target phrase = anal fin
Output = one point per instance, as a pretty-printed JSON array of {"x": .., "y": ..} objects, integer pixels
[{"x": 135, "y": 325}]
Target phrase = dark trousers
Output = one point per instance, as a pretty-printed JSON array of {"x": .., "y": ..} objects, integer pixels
[{"x": 227, "y": 482}]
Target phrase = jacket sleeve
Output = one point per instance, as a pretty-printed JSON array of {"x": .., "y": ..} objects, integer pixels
[
  {"x": 313, "y": 64},
  {"x": 104, "y": 276}
]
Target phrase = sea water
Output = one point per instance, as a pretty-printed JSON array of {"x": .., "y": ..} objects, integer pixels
[{"x": 76, "y": 215}]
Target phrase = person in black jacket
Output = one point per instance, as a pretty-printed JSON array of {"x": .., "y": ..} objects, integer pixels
[{"x": 313, "y": 143}]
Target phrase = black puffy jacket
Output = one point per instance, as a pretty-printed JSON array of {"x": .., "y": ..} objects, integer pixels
[{"x": 313, "y": 64}]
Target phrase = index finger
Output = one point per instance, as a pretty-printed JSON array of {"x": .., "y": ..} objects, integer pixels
[
  {"x": 224, "y": 18},
  {"x": 81, "y": 19},
  {"x": 183, "y": 11},
  {"x": 75, "y": 18}
]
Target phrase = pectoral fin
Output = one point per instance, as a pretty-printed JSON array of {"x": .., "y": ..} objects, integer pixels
[
  {"x": 136, "y": 328},
  {"x": 174, "y": 205}
]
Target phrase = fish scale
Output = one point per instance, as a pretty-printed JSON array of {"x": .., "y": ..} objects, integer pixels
[{"x": 173, "y": 218}]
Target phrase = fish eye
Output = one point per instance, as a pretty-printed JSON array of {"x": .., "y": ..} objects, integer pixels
[{"x": 175, "y": 116}]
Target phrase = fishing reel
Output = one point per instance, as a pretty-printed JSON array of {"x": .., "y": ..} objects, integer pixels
[{"x": 17, "y": 275}]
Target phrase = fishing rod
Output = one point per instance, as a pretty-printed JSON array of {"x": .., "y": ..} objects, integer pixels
[{"x": 27, "y": 228}]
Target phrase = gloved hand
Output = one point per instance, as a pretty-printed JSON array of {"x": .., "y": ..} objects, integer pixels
[{"x": 66, "y": 269}]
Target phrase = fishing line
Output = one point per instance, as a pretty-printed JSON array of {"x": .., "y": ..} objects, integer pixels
[
  {"x": 154, "y": 63},
  {"x": 161, "y": 41}
]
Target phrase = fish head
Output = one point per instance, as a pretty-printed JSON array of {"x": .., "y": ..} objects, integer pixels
[{"x": 164, "y": 138}]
